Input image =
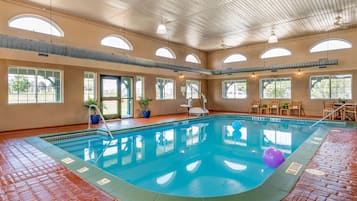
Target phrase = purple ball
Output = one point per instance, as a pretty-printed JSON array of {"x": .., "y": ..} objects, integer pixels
[{"x": 273, "y": 157}]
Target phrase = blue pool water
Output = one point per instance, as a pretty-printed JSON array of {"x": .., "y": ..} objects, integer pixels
[{"x": 197, "y": 158}]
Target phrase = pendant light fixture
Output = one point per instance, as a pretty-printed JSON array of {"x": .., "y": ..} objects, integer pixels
[
  {"x": 272, "y": 38},
  {"x": 161, "y": 28}
]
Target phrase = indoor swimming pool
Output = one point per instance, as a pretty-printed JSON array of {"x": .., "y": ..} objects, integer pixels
[{"x": 198, "y": 158}]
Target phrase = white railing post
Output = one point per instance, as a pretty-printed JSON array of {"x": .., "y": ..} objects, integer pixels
[{"x": 101, "y": 116}]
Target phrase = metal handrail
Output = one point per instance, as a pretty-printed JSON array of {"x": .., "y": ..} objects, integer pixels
[
  {"x": 328, "y": 115},
  {"x": 101, "y": 116}
]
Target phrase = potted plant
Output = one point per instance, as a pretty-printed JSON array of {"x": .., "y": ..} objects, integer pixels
[
  {"x": 341, "y": 100},
  {"x": 94, "y": 117},
  {"x": 284, "y": 105},
  {"x": 144, "y": 104}
]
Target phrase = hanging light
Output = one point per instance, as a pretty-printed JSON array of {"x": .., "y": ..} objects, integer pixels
[
  {"x": 181, "y": 76},
  {"x": 253, "y": 75},
  {"x": 299, "y": 72},
  {"x": 161, "y": 29},
  {"x": 273, "y": 38}
]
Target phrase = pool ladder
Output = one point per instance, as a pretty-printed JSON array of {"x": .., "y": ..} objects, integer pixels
[
  {"x": 101, "y": 116},
  {"x": 328, "y": 115}
]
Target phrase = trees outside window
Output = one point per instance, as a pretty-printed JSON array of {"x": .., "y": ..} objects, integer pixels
[{"x": 276, "y": 88}]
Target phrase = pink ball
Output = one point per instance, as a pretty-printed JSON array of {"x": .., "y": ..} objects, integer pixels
[{"x": 273, "y": 157}]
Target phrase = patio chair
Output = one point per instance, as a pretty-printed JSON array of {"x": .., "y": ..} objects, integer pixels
[
  {"x": 274, "y": 106},
  {"x": 328, "y": 108},
  {"x": 350, "y": 112},
  {"x": 255, "y": 107},
  {"x": 295, "y": 106}
]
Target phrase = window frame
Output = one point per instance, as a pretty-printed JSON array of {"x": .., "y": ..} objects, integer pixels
[
  {"x": 234, "y": 81},
  {"x": 330, "y": 93},
  {"x": 38, "y": 17},
  {"x": 243, "y": 58},
  {"x": 328, "y": 40},
  {"x": 142, "y": 87},
  {"x": 172, "y": 53},
  {"x": 199, "y": 89},
  {"x": 123, "y": 39},
  {"x": 95, "y": 84},
  {"x": 173, "y": 92},
  {"x": 274, "y": 79},
  {"x": 289, "y": 53},
  {"x": 196, "y": 58},
  {"x": 36, "y": 69}
]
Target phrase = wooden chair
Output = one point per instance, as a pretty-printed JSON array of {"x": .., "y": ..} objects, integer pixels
[
  {"x": 350, "y": 112},
  {"x": 255, "y": 107},
  {"x": 295, "y": 106},
  {"x": 274, "y": 106},
  {"x": 328, "y": 108}
]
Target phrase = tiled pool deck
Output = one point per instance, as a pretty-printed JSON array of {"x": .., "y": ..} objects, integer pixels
[{"x": 28, "y": 174}]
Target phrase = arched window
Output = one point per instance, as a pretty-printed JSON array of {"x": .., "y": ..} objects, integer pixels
[
  {"x": 36, "y": 23},
  {"x": 331, "y": 44},
  {"x": 235, "y": 58},
  {"x": 193, "y": 59},
  {"x": 275, "y": 52},
  {"x": 165, "y": 52},
  {"x": 116, "y": 41}
]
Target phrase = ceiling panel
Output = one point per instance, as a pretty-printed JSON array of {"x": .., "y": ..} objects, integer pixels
[{"x": 204, "y": 24}]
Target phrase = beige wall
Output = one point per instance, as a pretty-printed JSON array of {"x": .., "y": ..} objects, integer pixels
[
  {"x": 299, "y": 48},
  {"x": 85, "y": 34},
  {"x": 299, "y": 87},
  {"x": 71, "y": 111},
  {"x": 300, "y": 84}
]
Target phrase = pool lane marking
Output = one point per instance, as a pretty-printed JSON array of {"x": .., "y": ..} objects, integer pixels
[
  {"x": 293, "y": 168},
  {"x": 67, "y": 160},
  {"x": 82, "y": 170},
  {"x": 103, "y": 181}
]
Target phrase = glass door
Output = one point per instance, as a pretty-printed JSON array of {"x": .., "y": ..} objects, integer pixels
[
  {"x": 116, "y": 96},
  {"x": 110, "y": 96},
  {"x": 126, "y": 97}
]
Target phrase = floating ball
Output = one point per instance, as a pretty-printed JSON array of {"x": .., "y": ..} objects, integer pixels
[
  {"x": 236, "y": 125},
  {"x": 236, "y": 135},
  {"x": 273, "y": 157}
]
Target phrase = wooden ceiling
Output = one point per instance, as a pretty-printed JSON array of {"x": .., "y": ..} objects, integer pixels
[{"x": 214, "y": 24}]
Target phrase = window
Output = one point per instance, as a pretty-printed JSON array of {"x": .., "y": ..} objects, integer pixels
[
  {"x": 36, "y": 23},
  {"x": 235, "y": 58},
  {"x": 116, "y": 41},
  {"x": 273, "y": 88},
  {"x": 165, "y": 52},
  {"x": 90, "y": 86},
  {"x": 193, "y": 89},
  {"x": 331, "y": 44},
  {"x": 192, "y": 58},
  {"x": 31, "y": 85},
  {"x": 139, "y": 84},
  {"x": 234, "y": 88},
  {"x": 275, "y": 52},
  {"x": 331, "y": 87},
  {"x": 165, "y": 89}
]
